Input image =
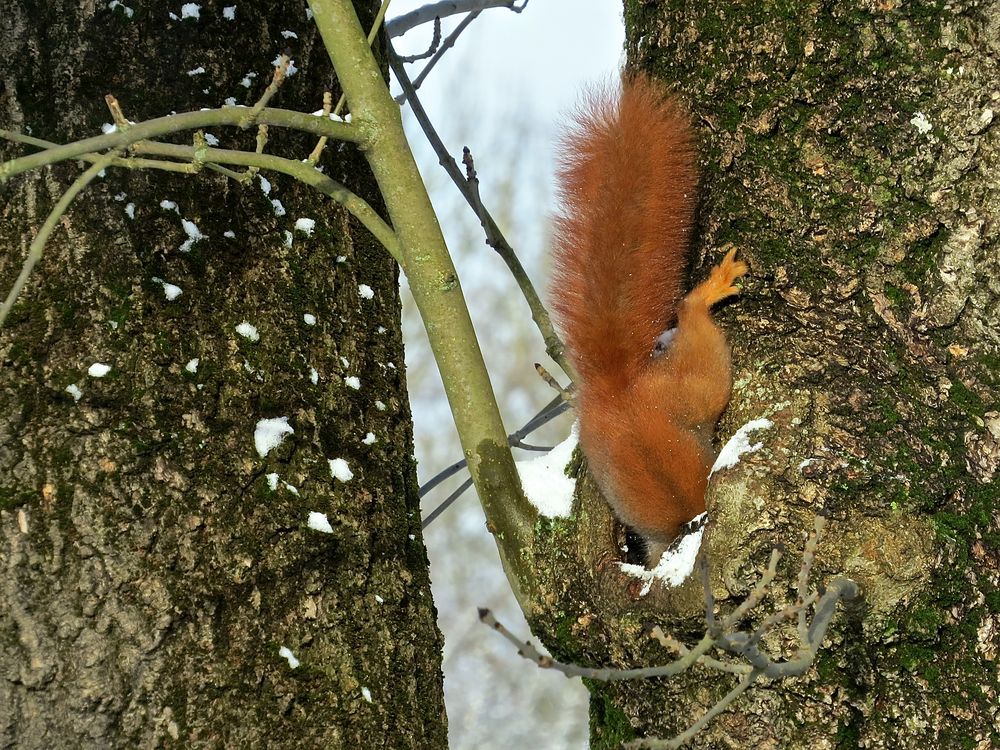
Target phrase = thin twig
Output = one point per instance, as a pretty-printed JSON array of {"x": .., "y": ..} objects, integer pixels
[
  {"x": 447, "y": 502},
  {"x": 526, "y": 650},
  {"x": 38, "y": 244},
  {"x": 280, "y": 70},
  {"x": 721, "y": 666},
  {"x": 550, "y": 381},
  {"x": 736, "y": 643},
  {"x": 435, "y": 41},
  {"x": 494, "y": 237},
  {"x": 121, "y": 161},
  {"x": 804, "y": 571},
  {"x": 529, "y": 447},
  {"x": 756, "y": 595},
  {"x": 449, "y": 42},
  {"x": 649, "y": 743},
  {"x": 551, "y": 410},
  {"x": 356, "y": 205},
  {"x": 161, "y": 126},
  {"x": 117, "y": 116},
  {"x": 401, "y": 24},
  {"x": 317, "y": 151}
]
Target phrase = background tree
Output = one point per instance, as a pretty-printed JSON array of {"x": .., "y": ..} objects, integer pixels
[{"x": 154, "y": 562}]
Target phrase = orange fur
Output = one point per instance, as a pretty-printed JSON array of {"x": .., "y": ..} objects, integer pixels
[{"x": 628, "y": 191}]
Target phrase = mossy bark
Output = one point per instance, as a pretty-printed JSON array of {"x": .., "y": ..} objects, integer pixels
[
  {"x": 850, "y": 150},
  {"x": 153, "y": 561}
]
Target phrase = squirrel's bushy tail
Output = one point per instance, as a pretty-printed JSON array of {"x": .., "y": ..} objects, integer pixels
[{"x": 628, "y": 192}]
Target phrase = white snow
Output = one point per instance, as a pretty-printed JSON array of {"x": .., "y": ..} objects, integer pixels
[
  {"x": 229, "y": 12},
  {"x": 196, "y": 71},
  {"x": 248, "y": 331},
  {"x": 380, "y": 406},
  {"x": 544, "y": 478},
  {"x": 265, "y": 184},
  {"x": 674, "y": 566},
  {"x": 108, "y": 128},
  {"x": 73, "y": 390},
  {"x": 286, "y": 653},
  {"x": 288, "y": 238},
  {"x": 921, "y": 123},
  {"x": 367, "y": 694},
  {"x": 129, "y": 12},
  {"x": 192, "y": 365},
  {"x": 230, "y": 234},
  {"x": 272, "y": 481},
  {"x": 169, "y": 206},
  {"x": 369, "y": 439},
  {"x": 290, "y": 70},
  {"x": 193, "y": 233},
  {"x": 172, "y": 291},
  {"x": 365, "y": 291},
  {"x": 313, "y": 376},
  {"x": 319, "y": 522},
  {"x": 379, "y": 599},
  {"x": 98, "y": 370},
  {"x": 279, "y": 210},
  {"x": 310, "y": 319},
  {"x": 130, "y": 210},
  {"x": 340, "y": 470},
  {"x": 353, "y": 382},
  {"x": 289, "y": 34},
  {"x": 739, "y": 444},
  {"x": 191, "y": 10},
  {"x": 270, "y": 433},
  {"x": 305, "y": 225},
  {"x": 211, "y": 140}
]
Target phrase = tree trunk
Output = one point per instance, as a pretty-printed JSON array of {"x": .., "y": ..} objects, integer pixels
[
  {"x": 850, "y": 151},
  {"x": 156, "y": 560}
]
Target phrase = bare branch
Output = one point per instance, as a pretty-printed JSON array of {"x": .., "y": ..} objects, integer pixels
[
  {"x": 172, "y": 124},
  {"x": 357, "y": 206},
  {"x": 723, "y": 636},
  {"x": 649, "y": 743},
  {"x": 494, "y": 237},
  {"x": 317, "y": 152},
  {"x": 431, "y": 49},
  {"x": 400, "y": 25},
  {"x": 448, "y": 44},
  {"x": 38, "y": 244},
  {"x": 280, "y": 70},
  {"x": 549, "y": 412}
]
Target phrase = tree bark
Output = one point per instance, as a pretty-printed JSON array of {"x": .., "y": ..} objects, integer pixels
[
  {"x": 154, "y": 562},
  {"x": 850, "y": 151}
]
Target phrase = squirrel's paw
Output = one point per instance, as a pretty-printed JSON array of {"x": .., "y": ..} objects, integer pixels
[{"x": 719, "y": 284}]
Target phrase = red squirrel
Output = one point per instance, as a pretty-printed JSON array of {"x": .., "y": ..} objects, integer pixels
[{"x": 653, "y": 367}]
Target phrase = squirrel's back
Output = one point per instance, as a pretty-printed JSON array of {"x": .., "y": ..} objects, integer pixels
[{"x": 628, "y": 192}]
